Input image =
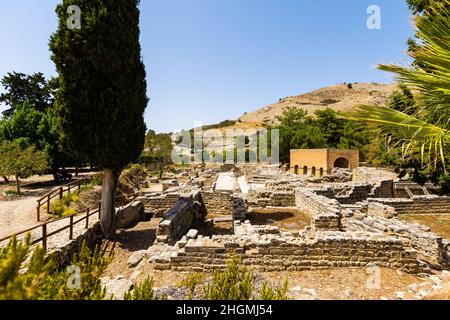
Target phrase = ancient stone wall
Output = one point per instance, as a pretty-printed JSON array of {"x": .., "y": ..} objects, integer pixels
[
  {"x": 325, "y": 211},
  {"x": 384, "y": 190},
  {"x": 218, "y": 203},
  {"x": 93, "y": 236},
  {"x": 186, "y": 213},
  {"x": 418, "y": 204},
  {"x": 272, "y": 198},
  {"x": 431, "y": 247},
  {"x": 158, "y": 204},
  {"x": 275, "y": 251}
]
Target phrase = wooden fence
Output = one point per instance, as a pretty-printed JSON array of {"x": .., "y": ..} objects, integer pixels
[
  {"x": 82, "y": 216},
  {"x": 58, "y": 192}
]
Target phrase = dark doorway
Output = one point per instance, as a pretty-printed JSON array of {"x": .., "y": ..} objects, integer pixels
[{"x": 342, "y": 163}]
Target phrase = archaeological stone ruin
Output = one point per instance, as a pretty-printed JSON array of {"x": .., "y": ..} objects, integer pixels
[
  {"x": 353, "y": 221},
  {"x": 353, "y": 218}
]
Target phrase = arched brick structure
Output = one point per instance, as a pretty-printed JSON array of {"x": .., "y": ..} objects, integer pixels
[
  {"x": 324, "y": 158},
  {"x": 341, "y": 163}
]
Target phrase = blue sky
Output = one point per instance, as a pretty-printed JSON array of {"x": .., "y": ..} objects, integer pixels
[{"x": 211, "y": 60}]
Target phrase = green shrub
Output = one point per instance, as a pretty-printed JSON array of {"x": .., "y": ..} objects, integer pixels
[
  {"x": 270, "y": 292},
  {"x": 192, "y": 282},
  {"x": 16, "y": 284},
  {"x": 92, "y": 266},
  {"x": 61, "y": 207},
  {"x": 234, "y": 283},
  {"x": 11, "y": 192},
  {"x": 237, "y": 283},
  {"x": 32, "y": 275},
  {"x": 144, "y": 291}
]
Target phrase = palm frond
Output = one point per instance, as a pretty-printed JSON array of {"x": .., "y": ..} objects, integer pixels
[{"x": 413, "y": 133}]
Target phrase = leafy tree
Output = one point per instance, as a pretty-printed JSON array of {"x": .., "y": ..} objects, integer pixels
[
  {"x": 424, "y": 135},
  {"x": 419, "y": 6},
  {"x": 33, "y": 89},
  {"x": 21, "y": 162},
  {"x": 402, "y": 100},
  {"x": 323, "y": 130},
  {"x": 102, "y": 94},
  {"x": 158, "y": 146},
  {"x": 24, "y": 123},
  {"x": 39, "y": 128}
]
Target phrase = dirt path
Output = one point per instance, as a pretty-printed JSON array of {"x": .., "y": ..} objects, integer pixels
[
  {"x": 20, "y": 214},
  {"x": 17, "y": 215}
]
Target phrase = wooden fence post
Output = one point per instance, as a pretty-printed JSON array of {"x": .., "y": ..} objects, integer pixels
[
  {"x": 61, "y": 190},
  {"x": 87, "y": 218},
  {"x": 38, "y": 211},
  {"x": 48, "y": 204},
  {"x": 44, "y": 236},
  {"x": 71, "y": 228}
]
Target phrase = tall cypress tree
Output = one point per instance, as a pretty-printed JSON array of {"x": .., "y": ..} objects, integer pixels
[{"x": 102, "y": 95}]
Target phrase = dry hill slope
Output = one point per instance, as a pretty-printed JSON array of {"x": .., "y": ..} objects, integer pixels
[{"x": 337, "y": 97}]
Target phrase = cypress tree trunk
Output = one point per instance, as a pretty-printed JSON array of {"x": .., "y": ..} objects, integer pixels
[{"x": 107, "y": 221}]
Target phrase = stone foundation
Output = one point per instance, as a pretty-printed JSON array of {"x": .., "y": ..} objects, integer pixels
[
  {"x": 431, "y": 247},
  {"x": 186, "y": 213},
  {"x": 158, "y": 204},
  {"x": 217, "y": 202},
  {"x": 418, "y": 204},
  {"x": 270, "y": 250},
  {"x": 325, "y": 212}
]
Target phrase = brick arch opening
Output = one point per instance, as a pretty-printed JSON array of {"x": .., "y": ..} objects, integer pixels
[{"x": 341, "y": 163}]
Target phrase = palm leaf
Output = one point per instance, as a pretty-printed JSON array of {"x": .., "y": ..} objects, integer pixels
[{"x": 408, "y": 130}]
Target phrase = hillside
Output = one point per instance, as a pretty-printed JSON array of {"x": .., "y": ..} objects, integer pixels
[{"x": 337, "y": 97}]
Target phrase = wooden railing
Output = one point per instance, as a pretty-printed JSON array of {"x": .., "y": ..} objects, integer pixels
[
  {"x": 58, "y": 192},
  {"x": 82, "y": 215}
]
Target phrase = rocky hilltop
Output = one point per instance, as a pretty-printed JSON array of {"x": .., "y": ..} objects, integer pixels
[{"x": 338, "y": 97}]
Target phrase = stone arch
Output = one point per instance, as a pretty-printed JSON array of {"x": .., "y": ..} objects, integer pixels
[
  {"x": 305, "y": 170},
  {"x": 296, "y": 169},
  {"x": 321, "y": 172},
  {"x": 313, "y": 171},
  {"x": 342, "y": 163}
]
